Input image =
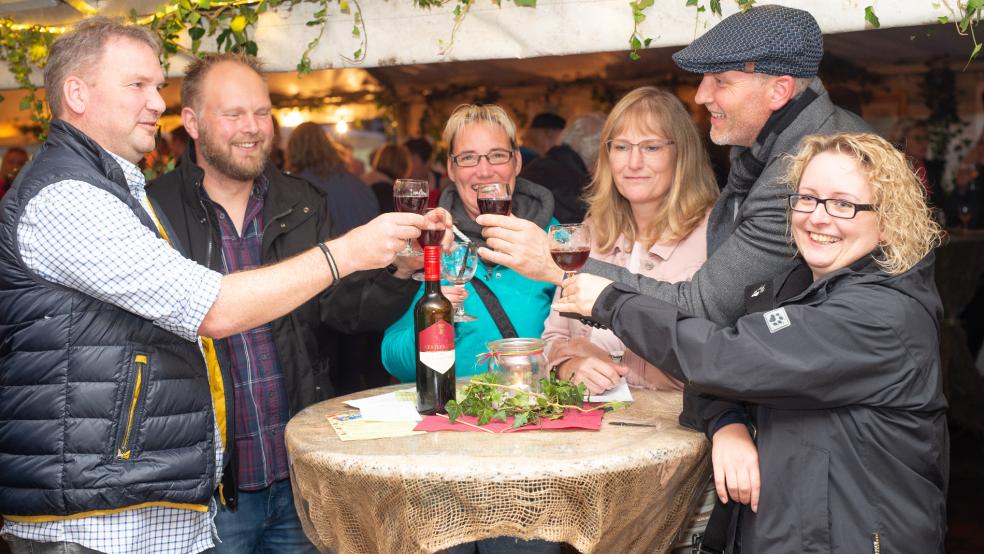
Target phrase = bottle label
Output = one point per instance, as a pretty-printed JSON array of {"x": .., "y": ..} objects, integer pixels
[
  {"x": 437, "y": 347},
  {"x": 432, "y": 263}
]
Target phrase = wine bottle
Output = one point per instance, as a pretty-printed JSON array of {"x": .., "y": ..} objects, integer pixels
[{"x": 433, "y": 318}]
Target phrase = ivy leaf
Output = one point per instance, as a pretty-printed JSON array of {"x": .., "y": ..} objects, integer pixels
[
  {"x": 251, "y": 48},
  {"x": 691, "y": 3},
  {"x": 196, "y": 33},
  {"x": 520, "y": 419},
  {"x": 525, "y": 3},
  {"x": 870, "y": 17},
  {"x": 977, "y": 50},
  {"x": 943, "y": 19},
  {"x": 355, "y": 31},
  {"x": 453, "y": 410},
  {"x": 357, "y": 54},
  {"x": 716, "y": 7},
  {"x": 25, "y": 103}
]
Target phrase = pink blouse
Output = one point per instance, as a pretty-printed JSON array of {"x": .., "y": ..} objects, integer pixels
[{"x": 667, "y": 261}]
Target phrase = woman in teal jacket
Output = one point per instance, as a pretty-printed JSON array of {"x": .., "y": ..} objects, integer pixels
[{"x": 526, "y": 302}]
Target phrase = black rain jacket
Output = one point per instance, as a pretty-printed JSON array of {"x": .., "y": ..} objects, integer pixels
[
  {"x": 295, "y": 219},
  {"x": 842, "y": 379}
]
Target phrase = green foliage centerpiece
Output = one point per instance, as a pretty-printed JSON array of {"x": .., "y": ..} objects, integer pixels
[{"x": 486, "y": 398}]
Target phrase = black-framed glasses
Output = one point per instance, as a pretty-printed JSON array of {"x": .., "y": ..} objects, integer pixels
[
  {"x": 835, "y": 207},
  {"x": 498, "y": 156},
  {"x": 621, "y": 149}
]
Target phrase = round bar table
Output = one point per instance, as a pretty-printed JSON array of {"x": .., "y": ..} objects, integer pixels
[{"x": 622, "y": 489}]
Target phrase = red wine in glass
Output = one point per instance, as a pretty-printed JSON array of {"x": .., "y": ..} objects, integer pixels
[
  {"x": 497, "y": 206},
  {"x": 413, "y": 204},
  {"x": 570, "y": 259},
  {"x": 431, "y": 237},
  {"x": 570, "y": 245}
]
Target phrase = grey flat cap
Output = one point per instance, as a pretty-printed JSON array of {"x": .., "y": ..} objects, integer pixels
[{"x": 770, "y": 39}]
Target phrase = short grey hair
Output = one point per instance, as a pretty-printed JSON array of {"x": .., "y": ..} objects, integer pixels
[
  {"x": 80, "y": 49},
  {"x": 489, "y": 114},
  {"x": 583, "y": 135}
]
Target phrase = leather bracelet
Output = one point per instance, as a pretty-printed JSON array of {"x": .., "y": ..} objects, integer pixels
[{"x": 331, "y": 262}]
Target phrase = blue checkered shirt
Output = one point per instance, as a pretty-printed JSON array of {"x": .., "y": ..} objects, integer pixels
[{"x": 76, "y": 235}]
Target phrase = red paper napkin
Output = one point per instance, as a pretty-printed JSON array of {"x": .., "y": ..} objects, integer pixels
[{"x": 572, "y": 419}]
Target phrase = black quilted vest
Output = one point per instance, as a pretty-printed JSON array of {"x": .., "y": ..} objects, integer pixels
[{"x": 99, "y": 408}]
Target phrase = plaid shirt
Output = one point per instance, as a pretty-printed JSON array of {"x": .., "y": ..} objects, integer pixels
[
  {"x": 258, "y": 380},
  {"x": 76, "y": 235}
]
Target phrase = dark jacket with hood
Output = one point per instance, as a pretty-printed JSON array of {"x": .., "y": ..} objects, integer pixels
[
  {"x": 99, "y": 408},
  {"x": 295, "y": 219},
  {"x": 842, "y": 379}
]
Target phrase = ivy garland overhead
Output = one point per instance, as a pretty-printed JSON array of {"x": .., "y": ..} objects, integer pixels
[{"x": 229, "y": 23}]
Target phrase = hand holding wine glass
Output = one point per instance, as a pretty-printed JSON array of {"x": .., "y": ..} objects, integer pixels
[
  {"x": 410, "y": 195},
  {"x": 458, "y": 266},
  {"x": 570, "y": 245}
]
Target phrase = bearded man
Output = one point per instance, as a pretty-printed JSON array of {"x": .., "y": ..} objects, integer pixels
[{"x": 230, "y": 210}]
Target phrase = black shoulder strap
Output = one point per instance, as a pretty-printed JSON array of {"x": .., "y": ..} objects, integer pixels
[
  {"x": 494, "y": 307},
  {"x": 719, "y": 527}
]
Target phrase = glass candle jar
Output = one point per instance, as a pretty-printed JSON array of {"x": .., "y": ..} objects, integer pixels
[{"x": 519, "y": 362}]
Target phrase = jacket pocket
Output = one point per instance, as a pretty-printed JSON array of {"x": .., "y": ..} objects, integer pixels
[
  {"x": 130, "y": 414},
  {"x": 814, "y": 506}
]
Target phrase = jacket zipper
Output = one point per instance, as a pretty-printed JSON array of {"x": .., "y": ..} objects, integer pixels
[
  {"x": 876, "y": 542},
  {"x": 123, "y": 452}
]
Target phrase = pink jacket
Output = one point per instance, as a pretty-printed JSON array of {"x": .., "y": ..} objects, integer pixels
[{"x": 667, "y": 261}]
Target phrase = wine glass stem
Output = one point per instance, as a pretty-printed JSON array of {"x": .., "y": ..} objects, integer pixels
[{"x": 459, "y": 309}]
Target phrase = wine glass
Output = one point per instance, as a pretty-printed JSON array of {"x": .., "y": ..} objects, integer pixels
[
  {"x": 429, "y": 237},
  {"x": 410, "y": 195},
  {"x": 494, "y": 198},
  {"x": 458, "y": 266},
  {"x": 570, "y": 245},
  {"x": 966, "y": 214}
]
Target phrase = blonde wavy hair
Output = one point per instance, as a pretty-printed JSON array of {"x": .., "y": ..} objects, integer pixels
[
  {"x": 908, "y": 229},
  {"x": 692, "y": 192},
  {"x": 490, "y": 114}
]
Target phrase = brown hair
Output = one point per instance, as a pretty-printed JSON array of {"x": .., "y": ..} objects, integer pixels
[
  {"x": 310, "y": 148},
  {"x": 692, "y": 192},
  {"x": 392, "y": 160},
  {"x": 196, "y": 72},
  {"x": 77, "y": 52},
  {"x": 908, "y": 229}
]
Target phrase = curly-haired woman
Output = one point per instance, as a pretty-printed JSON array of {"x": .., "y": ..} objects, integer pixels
[{"x": 836, "y": 365}]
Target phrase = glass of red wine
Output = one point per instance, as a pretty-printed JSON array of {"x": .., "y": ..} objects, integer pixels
[
  {"x": 570, "y": 245},
  {"x": 410, "y": 195},
  {"x": 494, "y": 198},
  {"x": 429, "y": 237}
]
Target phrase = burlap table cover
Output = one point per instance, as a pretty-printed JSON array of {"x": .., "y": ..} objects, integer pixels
[{"x": 618, "y": 490}]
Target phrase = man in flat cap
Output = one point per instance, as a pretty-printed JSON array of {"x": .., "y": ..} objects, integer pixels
[
  {"x": 759, "y": 84},
  {"x": 761, "y": 90}
]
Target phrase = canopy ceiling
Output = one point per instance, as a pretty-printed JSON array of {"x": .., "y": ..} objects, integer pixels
[{"x": 505, "y": 47}]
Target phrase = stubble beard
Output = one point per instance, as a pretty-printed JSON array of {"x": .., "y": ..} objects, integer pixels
[{"x": 219, "y": 157}]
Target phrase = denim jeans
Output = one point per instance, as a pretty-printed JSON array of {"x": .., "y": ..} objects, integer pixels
[
  {"x": 265, "y": 522},
  {"x": 24, "y": 546},
  {"x": 506, "y": 545}
]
